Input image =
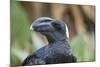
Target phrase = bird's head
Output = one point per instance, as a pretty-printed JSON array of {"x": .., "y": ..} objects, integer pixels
[{"x": 51, "y": 28}]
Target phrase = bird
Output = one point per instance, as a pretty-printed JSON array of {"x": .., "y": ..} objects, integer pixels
[{"x": 57, "y": 50}]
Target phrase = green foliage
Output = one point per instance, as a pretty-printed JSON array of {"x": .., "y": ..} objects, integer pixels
[
  {"x": 14, "y": 60},
  {"x": 80, "y": 48},
  {"x": 19, "y": 23},
  {"x": 20, "y": 34}
]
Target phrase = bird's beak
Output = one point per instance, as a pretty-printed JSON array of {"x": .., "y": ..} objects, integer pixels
[{"x": 31, "y": 28}]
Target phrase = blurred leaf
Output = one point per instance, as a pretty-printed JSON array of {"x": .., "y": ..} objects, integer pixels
[
  {"x": 17, "y": 56},
  {"x": 20, "y": 53},
  {"x": 19, "y": 23},
  {"x": 20, "y": 33},
  {"x": 14, "y": 60},
  {"x": 79, "y": 46}
]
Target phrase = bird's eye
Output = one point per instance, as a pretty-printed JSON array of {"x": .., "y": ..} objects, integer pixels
[{"x": 56, "y": 25}]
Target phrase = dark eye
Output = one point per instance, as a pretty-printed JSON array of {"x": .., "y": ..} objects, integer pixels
[{"x": 56, "y": 25}]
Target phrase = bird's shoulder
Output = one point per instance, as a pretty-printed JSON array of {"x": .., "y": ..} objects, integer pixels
[
  {"x": 35, "y": 57},
  {"x": 40, "y": 52}
]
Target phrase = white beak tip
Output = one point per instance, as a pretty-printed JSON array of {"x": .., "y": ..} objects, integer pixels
[{"x": 31, "y": 28}]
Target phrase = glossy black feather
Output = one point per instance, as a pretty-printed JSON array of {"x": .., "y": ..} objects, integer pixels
[{"x": 58, "y": 50}]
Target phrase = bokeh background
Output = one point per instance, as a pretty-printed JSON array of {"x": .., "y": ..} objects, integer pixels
[{"x": 79, "y": 18}]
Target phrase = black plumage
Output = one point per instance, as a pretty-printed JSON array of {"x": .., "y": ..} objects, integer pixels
[{"x": 58, "y": 49}]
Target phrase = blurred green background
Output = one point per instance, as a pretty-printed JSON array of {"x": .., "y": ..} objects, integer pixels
[{"x": 79, "y": 18}]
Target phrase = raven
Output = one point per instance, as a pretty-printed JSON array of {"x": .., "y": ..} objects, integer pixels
[{"x": 58, "y": 49}]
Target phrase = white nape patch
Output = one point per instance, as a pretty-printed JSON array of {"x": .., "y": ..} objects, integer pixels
[{"x": 67, "y": 32}]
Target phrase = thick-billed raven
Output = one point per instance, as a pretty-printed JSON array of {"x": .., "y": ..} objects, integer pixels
[{"x": 58, "y": 49}]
